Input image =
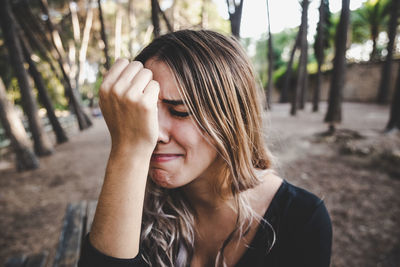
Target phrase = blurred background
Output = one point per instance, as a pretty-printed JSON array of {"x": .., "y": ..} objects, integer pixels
[{"x": 329, "y": 70}]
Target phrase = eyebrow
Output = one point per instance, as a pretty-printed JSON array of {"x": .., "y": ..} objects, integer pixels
[{"x": 173, "y": 102}]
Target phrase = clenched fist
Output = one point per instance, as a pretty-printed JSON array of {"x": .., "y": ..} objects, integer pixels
[{"x": 128, "y": 101}]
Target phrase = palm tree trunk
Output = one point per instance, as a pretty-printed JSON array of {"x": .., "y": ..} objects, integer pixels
[
  {"x": 334, "y": 113},
  {"x": 84, "y": 45},
  {"x": 235, "y": 16},
  {"x": 384, "y": 85},
  {"x": 42, "y": 144},
  {"x": 107, "y": 64},
  {"x": 270, "y": 62},
  {"x": 43, "y": 95},
  {"x": 302, "y": 77},
  {"x": 74, "y": 100},
  {"x": 289, "y": 70},
  {"x": 132, "y": 26},
  {"x": 15, "y": 132},
  {"x": 154, "y": 18},
  {"x": 319, "y": 53},
  {"x": 118, "y": 31},
  {"x": 394, "y": 119}
]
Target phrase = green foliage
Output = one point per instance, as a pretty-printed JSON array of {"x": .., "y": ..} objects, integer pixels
[{"x": 372, "y": 16}]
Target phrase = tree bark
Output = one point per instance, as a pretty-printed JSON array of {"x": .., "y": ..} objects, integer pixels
[
  {"x": 270, "y": 59},
  {"x": 118, "y": 31},
  {"x": 84, "y": 44},
  {"x": 394, "y": 118},
  {"x": 319, "y": 53},
  {"x": 132, "y": 26},
  {"x": 302, "y": 77},
  {"x": 74, "y": 100},
  {"x": 235, "y": 16},
  {"x": 289, "y": 70},
  {"x": 15, "y": 132},
  {"x": 334, "y": 113},
  {"x": 154, "y": 18},
  {"x": 42, "y": 144},
  {"x": 107, "y": 64},
  {"x": 61, "y": 136},
  {"x": 384, "y": 85}
]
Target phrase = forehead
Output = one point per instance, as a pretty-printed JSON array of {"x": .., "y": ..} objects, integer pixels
[{"x": 163, "y": 75}]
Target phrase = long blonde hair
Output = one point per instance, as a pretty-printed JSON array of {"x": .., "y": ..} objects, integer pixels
[{"x": 217, "y": 83}]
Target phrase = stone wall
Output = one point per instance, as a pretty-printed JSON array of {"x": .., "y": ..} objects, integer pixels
[{"x": 362, "y": 82}]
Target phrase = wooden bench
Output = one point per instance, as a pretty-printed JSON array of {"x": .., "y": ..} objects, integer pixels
[{"x": 76, "y": 224}]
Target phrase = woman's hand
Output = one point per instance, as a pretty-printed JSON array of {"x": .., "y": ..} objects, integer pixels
[{"x": 128, "y": 101}]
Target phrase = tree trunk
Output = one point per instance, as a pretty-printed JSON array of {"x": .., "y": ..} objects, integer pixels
[
  {"x": 84, "y": 44},
  {"x": 302, "y": 77},
  {"x": 319, "y": 53},
  {"x": 204, "y": 15},
  {"x": 394, "y": 119},
  {"x": 29, "y": 24},
  {"x": 42, "y": 144},
  {"x": 154, "y": 18},
  {"x": 118, "y": 31},
  {"x": 384, "y": 85},
  {"x": 334, "y": 113},
  {"x": 235, "y": 16},
  {"x": 132, "y": 26},
  {"x": 289, "y": 70},
  {"x": 107, "y": 64},
  {"x": 270, "y": 59},
  {"x": 61, "y": 137},
  {"x": 15, "y": 131},
  {"x": 74, "y": 100}
]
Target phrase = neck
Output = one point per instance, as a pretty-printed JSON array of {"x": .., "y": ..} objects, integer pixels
[{"x": 203, "y": 195}]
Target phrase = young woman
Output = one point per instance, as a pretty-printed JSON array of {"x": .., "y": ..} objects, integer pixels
[{"x": 189, "y": 180}]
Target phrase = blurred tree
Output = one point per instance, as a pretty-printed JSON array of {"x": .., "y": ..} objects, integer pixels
[
  {"x": 107, "y": 64},
  {"x": 289, "y": 69},
  {"x": 394, "y": 118},
  {"x": 301, "y": 84},
  {"x": 42, "y": 145},
  {"x": 15, "y": 132},
  {"x": 270, "y": 59},
  {"x": 235, "y": 15},
  {"x": 368, "y": 21},
  {"x": 334, "y": 112},
  {"x": 155, "y": 12},
  {"x": 383, "y": 90},
  {"x": 61, "y": 136},
  {"x": 74, "y": 99},
  {"x": 321, "y": 43}
]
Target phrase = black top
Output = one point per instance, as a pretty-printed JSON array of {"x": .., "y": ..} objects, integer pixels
[{"x": 303, "y": 236}]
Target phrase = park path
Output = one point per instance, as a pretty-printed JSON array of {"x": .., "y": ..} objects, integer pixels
[{"x": 363, "y": 202}]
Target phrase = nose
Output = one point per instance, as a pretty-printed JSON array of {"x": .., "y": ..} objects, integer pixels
[{"x": 163, "y": 126}]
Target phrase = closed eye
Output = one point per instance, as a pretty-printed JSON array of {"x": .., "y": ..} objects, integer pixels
[{"x": 179, "y": 114}]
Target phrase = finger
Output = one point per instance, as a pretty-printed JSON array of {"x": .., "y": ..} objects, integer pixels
[
  {"x": 113, "y": 74},
  {"x": 126, "y": 77},
  {"x": 139, "y": 82},
  {"x": 150, "y": 93}
]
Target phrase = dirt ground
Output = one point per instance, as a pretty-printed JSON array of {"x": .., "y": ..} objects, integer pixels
[{"x": 358, "y": 179}]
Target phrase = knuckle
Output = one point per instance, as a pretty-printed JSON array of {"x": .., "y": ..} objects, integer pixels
[
  {"x": 122, "y": 61},
  {"x": 137, "y": 64},
  {"x": 147, "y": 73}
]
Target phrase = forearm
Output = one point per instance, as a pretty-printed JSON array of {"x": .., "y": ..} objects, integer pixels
[{"x": 117, "y": 222}]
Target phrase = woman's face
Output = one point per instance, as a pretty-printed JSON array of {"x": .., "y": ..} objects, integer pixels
[{"x": 182, "y": 153}]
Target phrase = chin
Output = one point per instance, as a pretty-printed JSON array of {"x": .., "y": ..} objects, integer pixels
[{"x": 161, "y": 178}]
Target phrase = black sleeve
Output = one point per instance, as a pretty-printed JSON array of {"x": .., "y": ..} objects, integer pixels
[
  {"x": 315, "y": 242},
  {"x": 91, "y": 257}
]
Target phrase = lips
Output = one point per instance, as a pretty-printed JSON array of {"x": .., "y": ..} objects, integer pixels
[{"x": 164, "y": 157}]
